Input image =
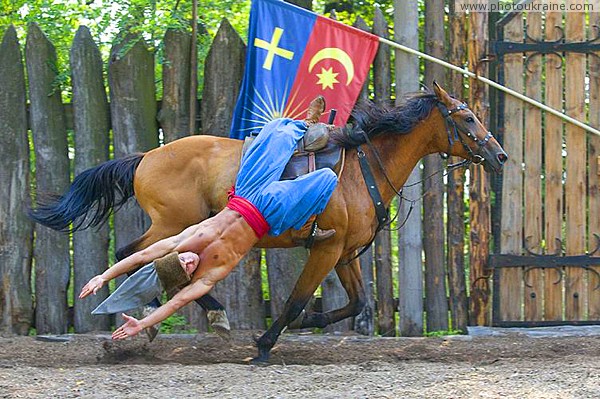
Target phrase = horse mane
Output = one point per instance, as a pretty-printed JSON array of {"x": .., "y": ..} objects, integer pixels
[{"x": 377, "y": 119}]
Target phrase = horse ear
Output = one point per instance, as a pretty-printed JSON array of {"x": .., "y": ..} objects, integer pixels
[{"x": 441, "y": 94}]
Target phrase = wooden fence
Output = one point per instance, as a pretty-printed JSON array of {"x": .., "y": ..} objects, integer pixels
[
  {"x": 393, "y": 271},
  {"x": 550, "y": 201}
]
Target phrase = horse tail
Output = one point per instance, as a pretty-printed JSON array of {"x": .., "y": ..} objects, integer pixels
[{"x": 92, "y": 196}]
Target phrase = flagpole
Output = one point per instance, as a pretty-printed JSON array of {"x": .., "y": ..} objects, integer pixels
[{"x": 492, "y": 83}]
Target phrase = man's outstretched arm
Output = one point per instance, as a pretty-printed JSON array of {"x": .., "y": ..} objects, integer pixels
[
  {"x": 147, "y": 255},
  {"x": 186, "y": 295}
]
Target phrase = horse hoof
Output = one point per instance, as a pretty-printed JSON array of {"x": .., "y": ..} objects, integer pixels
[
  {"x": 220, "y": 323},
  {"x": 256, "y": 337},
  {"x": 152, "y": 331},
  {"x": 260, "y": 360},
  {"x": 297, "y": 323}
]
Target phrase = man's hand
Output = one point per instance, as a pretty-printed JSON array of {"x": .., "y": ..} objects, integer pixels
[
  {"x": 92, "y": 286},
  {"x": 131, "y": 328}
]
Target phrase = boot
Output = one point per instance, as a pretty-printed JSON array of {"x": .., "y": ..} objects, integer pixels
[
  {"x": 301, "y": 237},
  {"x": 315, "y": 109},
  {"x": 151, "y": 331}
]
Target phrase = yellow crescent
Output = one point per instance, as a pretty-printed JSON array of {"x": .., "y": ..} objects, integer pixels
[{"x": 335, "y": 54}]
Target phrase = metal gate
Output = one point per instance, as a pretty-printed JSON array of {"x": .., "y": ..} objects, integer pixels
[{"x": 546, "y": 266}]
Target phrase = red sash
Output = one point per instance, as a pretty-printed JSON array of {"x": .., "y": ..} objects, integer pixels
[{"x": 249, "y": 212}]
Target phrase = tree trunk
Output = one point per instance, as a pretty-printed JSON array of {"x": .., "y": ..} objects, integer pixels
[
  {"x": 16, "y": 230},
  {"x": 223, "y": 73},
  {"x": 410, "y": 244},
  {"x": 433, "y": 203},
  {"x": 91, "y": 123},
  {"x": 52, "y": 260},
  {"x": 174, "y": 114}
]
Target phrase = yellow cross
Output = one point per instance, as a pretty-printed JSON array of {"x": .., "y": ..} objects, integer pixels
[{"x": 272, "y": 48}]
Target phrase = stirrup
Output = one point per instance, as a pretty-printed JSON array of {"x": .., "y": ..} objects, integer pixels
[{"x": 317, "y": 234}]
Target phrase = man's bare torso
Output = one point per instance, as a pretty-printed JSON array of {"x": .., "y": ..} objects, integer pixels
[{"x": 221, "y": 242}]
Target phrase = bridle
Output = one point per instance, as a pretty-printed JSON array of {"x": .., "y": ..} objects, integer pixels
[{"x": 452, "y": 130}]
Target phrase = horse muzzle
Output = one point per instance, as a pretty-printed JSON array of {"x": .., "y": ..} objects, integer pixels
[{"x": 493, "y": 158}]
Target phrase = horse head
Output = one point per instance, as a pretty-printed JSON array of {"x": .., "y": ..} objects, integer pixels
[{"x": 462, "y": 134}]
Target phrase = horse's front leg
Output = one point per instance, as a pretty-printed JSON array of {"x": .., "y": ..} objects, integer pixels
[
  {"x": 351, "y": 278},
  {"x": 321, "y": 261}
]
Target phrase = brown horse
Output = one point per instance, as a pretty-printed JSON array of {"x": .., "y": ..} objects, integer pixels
[{"x": 185, "y": 181}]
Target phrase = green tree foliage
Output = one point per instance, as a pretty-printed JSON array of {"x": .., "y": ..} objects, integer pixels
[{"x": 108, "y": 20}]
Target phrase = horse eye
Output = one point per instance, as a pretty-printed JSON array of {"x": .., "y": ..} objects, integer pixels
[{"x": 470, "y": 119}]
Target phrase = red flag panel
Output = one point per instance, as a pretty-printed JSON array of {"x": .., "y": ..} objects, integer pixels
[{"x": 335, "y": 65}]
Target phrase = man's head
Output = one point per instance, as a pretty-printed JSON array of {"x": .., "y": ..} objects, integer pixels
[
  {"x": 175, "y": 269},
  {"x": 189, "y": 262}
]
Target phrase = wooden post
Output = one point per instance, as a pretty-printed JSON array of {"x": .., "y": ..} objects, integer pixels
[
  {"x": 386, "y": 324},
  {"x": 284, "y": 265},
  {"x": 16, "y": 229},
  {"x": 575, "y": 194},
  {"x": 410, "y": 244},
  {"x": 455, "y": 190},
  {"x": 282, "y": 275},
  {"x": 91, "y": 127},
  {"x": 553, "y": 200},
  {"x": 364, "y": 92},
  {"x": 223, "y": 72},
  {"x": 133, "y": 115},
  {"x": 594, "y": 171},
  {"x": 174, "y": 114},
  {"x": 334, "y": 297},
  {"x": 479, "y": 190},
  {"x": 533, "y": 170},
  {"x": 333, "y": 294},
  {"x": 241, "y": 291},
  {"x": 302, "y": 3},
  {"x": 52, "y": 260},
  {"x": 511, "y": 239},
  {"x": 433, "y": 223},
  {"x": 364, "y": 323},
  {"x": 193, "y": 69},
  {"x": 241, "y": 294}
]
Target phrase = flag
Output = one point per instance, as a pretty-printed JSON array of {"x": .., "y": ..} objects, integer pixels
[{"x": 294, "y": 55}]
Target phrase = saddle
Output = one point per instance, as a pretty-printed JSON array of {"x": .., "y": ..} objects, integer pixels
[{"x": 314, "y": 151}]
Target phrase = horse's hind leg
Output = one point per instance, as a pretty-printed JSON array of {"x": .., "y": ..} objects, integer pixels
[{"x": 350, "y": 277}]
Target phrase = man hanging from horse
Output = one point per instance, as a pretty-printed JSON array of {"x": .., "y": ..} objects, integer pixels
[{"x": 259, "y": 204}]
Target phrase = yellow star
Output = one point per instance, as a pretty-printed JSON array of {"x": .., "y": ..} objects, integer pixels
[{"x": 327, "y": 78}]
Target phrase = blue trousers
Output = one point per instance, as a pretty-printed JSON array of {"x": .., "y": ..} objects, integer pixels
[{"x": 289, "y": 203}]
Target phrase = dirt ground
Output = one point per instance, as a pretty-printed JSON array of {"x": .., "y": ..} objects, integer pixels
[{"x": 302, "y": 366}]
